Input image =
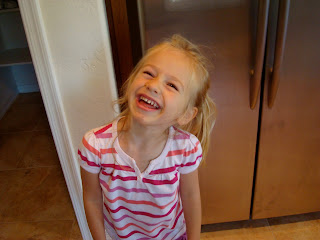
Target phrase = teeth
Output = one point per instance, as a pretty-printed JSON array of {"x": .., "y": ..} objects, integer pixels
[{"x": 152, "y": 103}]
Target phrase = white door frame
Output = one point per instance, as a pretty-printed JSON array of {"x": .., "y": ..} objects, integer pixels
[{"x": 38, "y": 45}]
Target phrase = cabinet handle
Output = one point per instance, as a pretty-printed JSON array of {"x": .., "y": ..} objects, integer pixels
[
  {"x": 255, "y": 81},
  {"x": 279, "y": 50}
]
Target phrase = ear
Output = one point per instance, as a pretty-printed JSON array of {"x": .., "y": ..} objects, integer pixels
[{"x": 187, "y": 116}]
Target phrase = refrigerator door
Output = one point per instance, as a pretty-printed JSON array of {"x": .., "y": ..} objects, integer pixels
[
  {"x": 226, "y": 28},
  {"x": 288, "y": 171}
]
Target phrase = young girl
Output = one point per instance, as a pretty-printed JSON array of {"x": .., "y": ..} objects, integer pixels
[{"x": 139, "y": 173}]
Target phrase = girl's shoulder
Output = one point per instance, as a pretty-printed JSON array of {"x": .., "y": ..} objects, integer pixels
[
  {"x": 186, "y": 151},
  {"x": 95, "y": 143},
  {"x": 103, "y": 133},
  {"x": 182, "y": 137}
]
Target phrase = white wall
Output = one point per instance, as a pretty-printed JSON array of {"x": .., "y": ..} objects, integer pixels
[
  {"x": 79, "y": 46},
  {"x": 70, "y": 48}
]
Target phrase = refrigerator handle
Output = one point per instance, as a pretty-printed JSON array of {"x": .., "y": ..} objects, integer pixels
[
  {"x": 256, "y": 73},
  {"x": 279, "y": 50}
]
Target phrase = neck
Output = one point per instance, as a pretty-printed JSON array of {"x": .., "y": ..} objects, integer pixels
[{"x": 133, "y": 131}]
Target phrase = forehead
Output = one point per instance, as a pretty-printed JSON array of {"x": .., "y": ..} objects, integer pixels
[{"x": 172, "y": 62}]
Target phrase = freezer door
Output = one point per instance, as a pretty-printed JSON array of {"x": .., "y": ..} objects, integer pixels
[
  {"x": 288, "y": 170},
  {"x": 227, "y": 29}
]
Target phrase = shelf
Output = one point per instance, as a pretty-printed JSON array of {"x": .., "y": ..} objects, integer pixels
[
  {"x": 15, "y": 56},
  {"x": 9, "y": 10}
]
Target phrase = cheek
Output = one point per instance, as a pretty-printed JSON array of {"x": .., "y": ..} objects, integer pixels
[
  {"x": 178, "y": 106},
  {"x": 183, "y": 104},
  {"x": 133, "y": 88},
  {"x": 138, "y": 81}
]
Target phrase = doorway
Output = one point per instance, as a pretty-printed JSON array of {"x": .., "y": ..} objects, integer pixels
[{"x": 34, "y": 196}]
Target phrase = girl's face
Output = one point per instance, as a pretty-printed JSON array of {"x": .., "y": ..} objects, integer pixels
[{"x": 160, "y": 93}]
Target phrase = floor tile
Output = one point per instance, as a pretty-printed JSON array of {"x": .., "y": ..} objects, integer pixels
[
  {"x": 43, "y": 123},
  {"x": 75, "y": 232},
  {"x": 12, "y": 147},
  {"x": 20, "y": 118},
  {"x": 52, "y": 230},
  {"x": 28, "y": 98},
  {"x": 38, "y": 194},
  {"x": 40, "y": 151},
  {"x": 244, "y": 230},
  {"x": 298, "y": 227}
]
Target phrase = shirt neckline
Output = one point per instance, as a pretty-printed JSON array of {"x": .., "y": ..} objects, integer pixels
[{"x": 131, "y": 162}]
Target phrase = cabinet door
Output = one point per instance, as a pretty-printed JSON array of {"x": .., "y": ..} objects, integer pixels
[
  {"x": 288, "y": 171},
  {"x": 225, "y": 28}
]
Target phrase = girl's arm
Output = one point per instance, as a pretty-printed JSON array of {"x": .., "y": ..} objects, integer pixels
[
  {"x": 93, "y": 203},
  {"x": 191, "y": 203}
]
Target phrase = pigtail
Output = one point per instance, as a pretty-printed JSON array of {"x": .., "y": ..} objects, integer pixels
[
  {"x": 206, "y": 123},
  {"x": 201, "y": 126}
]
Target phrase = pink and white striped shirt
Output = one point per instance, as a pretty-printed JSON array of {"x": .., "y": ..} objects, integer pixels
[{"x": 139, "y": 205}]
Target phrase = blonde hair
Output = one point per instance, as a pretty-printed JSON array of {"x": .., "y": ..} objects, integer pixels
[{"x": 203, "y": 122}]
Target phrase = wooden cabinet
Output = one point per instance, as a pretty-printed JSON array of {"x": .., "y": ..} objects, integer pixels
[{"x": 263, "y": 161}]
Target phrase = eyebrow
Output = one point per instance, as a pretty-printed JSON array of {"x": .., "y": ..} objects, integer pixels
[{"x": 170, "y": 76}]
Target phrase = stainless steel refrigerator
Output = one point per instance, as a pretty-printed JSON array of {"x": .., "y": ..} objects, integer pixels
[{"x": 264, "y": 158}]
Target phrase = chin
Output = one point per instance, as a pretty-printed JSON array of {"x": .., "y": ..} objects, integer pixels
[{"x": 140, "y": 118}]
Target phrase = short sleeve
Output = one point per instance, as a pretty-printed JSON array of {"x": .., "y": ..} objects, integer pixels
[
  {"x": 89, "y": 155},
  {"x": 192, "y": 156}
]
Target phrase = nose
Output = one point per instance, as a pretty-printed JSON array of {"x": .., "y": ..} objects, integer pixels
[{"x": 153, "y": 85}]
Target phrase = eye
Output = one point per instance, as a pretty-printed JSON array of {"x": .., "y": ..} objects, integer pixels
[
  {"x": 148, "y": 73},
  {"x": 173, "y": 86}
]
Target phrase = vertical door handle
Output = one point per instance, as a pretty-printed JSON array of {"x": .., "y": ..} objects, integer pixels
[
  {"x": 256, "y": 73},
  {"x": 279, "y": 50}
]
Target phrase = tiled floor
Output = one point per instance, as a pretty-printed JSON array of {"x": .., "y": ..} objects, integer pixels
[
  {"x": 35, "y": 204},
  {"x": 34, "y": 200}
]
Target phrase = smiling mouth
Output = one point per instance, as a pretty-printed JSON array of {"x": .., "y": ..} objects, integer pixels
[{"x": 148, "y": 102}]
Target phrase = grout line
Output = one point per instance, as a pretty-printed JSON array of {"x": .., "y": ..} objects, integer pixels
[
  {"x": 33, "y": 134},
  {"x": 15, "y": 132},
  {"x": 25, "y": 131},
  {"x": 53, "y": 220},
  {"x": 270, "y": 229},
  {"x": 72, "y": 227},
  {"x": 25, "y": 150},
  {"x": 28, "y": 168}
]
